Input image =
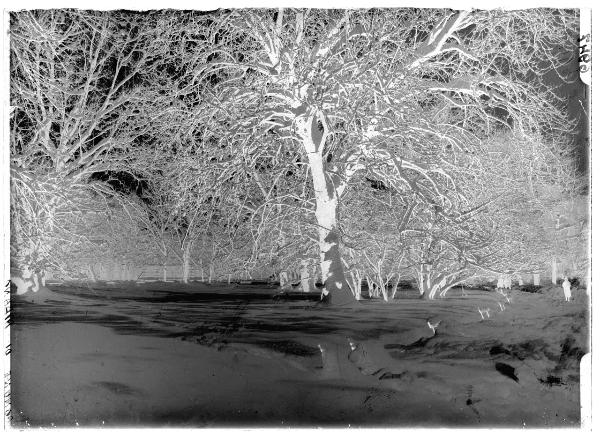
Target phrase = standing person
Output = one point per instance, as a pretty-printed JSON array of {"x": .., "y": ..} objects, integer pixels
[{"x": 567, "y": 288}]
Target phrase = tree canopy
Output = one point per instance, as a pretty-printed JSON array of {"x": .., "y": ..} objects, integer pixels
[{"x": 431, "y": 143}]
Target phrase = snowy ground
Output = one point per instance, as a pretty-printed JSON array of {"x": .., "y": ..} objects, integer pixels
[{"x": 166, "y": 354}]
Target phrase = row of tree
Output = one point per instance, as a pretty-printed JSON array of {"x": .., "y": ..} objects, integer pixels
[{"x": 374, "y": 145}]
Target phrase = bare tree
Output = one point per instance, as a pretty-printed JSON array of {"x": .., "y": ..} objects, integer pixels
[
  {"x": 374, "y": 219},
  {"x": 266, "y": 111},
  {"x": 497, "y": 225},
  {"x": 78, "y": 231},
  {"x": 531, "y": 180},
  {"x": 378, "y": 91},
  {"x": 83, "y": 85},
  {"x": 81, "y": 96}
]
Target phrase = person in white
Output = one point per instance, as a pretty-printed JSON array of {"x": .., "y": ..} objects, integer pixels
[{"x": 567, "y": 288}]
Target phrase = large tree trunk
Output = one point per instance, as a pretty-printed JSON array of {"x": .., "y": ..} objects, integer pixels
[
  {"x": 384, "y": 292},
  {"x": 370, "y": 287},
  {"x": 305, "y": 276},
  {"x": 554, "y": 270},
  {"x": 421, "y": 280},
  {"x": 439, "y": 287},
  {"x": 536, "y": 279},
  {"x": 395, "y": 286},
  {"x": 427, "y": 288},
  {"x": 335, "y": 288},
  {"x": 432, "y": 286},
  {"x": 356, "y": 284},
  {"x": 185, "y": 276},
  {"x": 433, "y": 290},
  {"x": 327, "y": 188},
  {"x": 164, "y": 265}
]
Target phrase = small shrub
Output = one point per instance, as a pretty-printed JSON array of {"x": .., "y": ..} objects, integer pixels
[{"x": 532, "y": 289}]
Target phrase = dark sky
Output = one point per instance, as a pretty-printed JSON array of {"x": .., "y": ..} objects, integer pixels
[
  {"x": 578, "y": 102},
  {"x": 577, "y": 97}
]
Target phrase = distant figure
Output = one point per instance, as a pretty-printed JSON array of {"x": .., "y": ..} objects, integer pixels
[
  {"x": 433, "y": 326},
  {"x": 567, "y": 289}
]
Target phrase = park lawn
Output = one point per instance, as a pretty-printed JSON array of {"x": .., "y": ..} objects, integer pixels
[{"x": 159, "y": 354}]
